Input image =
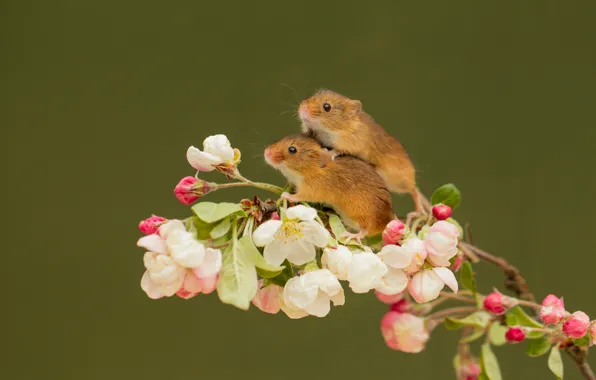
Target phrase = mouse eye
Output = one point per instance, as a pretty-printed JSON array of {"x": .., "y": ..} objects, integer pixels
[
  {"x": 292, "y": 149},
  {"x": 327, "y": 107}
]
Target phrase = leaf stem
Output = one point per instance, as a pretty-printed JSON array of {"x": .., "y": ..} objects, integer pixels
[{"x": 458, "y": 297}]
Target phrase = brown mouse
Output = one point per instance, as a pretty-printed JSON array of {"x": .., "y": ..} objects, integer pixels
[
  {"x": 347, "y": 184},
  {"x": 340, "y": 124}
]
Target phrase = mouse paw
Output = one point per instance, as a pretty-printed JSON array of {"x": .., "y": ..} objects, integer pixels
[
  {"x": 289, "y": 197},
  {"x": 357, "y": 237}
]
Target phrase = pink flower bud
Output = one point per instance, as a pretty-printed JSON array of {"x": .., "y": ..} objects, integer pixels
[
  {"x": 268, "y": 298},
  {"x": 470, "y": 369},
  {"x": 275, "y": 216},
  {"x": 189, "y": 189},
  {"x": 150, "y": 225},
  {"x": 497, "y": 303},
  {"x": 457, "y": 263},
  {"x": 576, "y": 326},
  {"x": 185, "y": 294},
  {"x": 394, "y": 232},
  {"x": 593, "y": 333},
  {"x": 404, "y": 332},
  {"x": 401, "y": 306},
  {"x": 515, "y": 335},
  {"x": 552, "y": 310},
  {"x": 442, "y": 212},
  {"x": 389, "y": 299}
]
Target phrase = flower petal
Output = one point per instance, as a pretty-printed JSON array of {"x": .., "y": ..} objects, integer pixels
[
  {"x": 292, "y": 312},
  {"x": 185, "y": 249},
  {"x": 320, "y": 307},
  {"x": 447, "y": 276},
  {"x": 396, "y": 256},
  {"x": 394, "y": 282},
  {"x": 276, "y": 252},
  {"x": 301, "y": 212},
  {"x": 315, "y": 233},
  {"x": 265, "y": 233},
  {"x": 150, "y": 288},
  {"x": 153, "y": 243},
  {"x": 299, "y": 252},
  {"x": 202, "y": 161},
  {"x": 211, "y": 264},
  {"x": 208, "y": 284},
  {"x": 219, "y": 146},
  {"x": 300, "y": 291},
  {"x": 191, "y": 282},
  {"x": 425, "y": 286}
]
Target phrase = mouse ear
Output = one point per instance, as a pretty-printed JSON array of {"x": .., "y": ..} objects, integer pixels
[
  {"x": 325, "y": 157},
  {"x": 356, "y": 106}
]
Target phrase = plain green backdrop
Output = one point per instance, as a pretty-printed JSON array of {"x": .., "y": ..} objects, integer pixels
[{"x": 100, "y": 100}]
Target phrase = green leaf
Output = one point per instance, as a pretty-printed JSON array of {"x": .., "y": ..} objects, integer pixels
[
  {"x": 237, "y": 284},
  {"x": 475, "y": 335},
  {"x": 489, "y": 363},
  {"x": 221, "y": 228},
  {"x": 582, "y": 341},
  {"x": 477, "y": 319},
  {"x": 482, "y": 376},
  {"x": 497, "y": 334},
  {"x": 447, "y": 194},
  {"x": 538, "y": 347},
  {"x": 284, "y": 276},
  {"x": 466, "y": 277},
  {"x": 521, "y": 318},
  {"x": 337, "y": 227},
  {"x": 555, "y": 362},
  {"x": 202, "y": 229},
  {"x": 264, "y": 269},
  {"x": 534, "y": 335},
  {"x": 210, "y": 212}
]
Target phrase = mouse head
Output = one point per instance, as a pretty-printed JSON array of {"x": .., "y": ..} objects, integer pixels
[
  {"x": 296, "y": 155},
  {"x": 328, "y": 110}
]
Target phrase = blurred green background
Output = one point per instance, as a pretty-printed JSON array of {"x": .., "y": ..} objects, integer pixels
[{"x": 100, "y": 100}]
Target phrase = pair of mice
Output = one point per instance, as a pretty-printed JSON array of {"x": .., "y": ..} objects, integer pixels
[{"x": 358, "y": 171}]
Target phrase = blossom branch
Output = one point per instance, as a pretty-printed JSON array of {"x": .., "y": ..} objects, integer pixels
[{"x": 517, "y": 283}]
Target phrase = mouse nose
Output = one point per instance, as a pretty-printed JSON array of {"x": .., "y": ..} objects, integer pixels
[
  {"x": 303, "y": 111},
  {"x": 268, "y": 153}
]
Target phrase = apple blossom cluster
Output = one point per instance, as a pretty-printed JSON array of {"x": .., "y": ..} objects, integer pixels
[{"x": 295, "y": 259}]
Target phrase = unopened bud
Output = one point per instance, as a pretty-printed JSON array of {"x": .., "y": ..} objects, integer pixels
[
  {"x": 576, "y": 326},
  {"x": 515, "y": 335},
  {"x": 497, "y": 303},
  {"x": 150, "y": 225},
  {"x": 189, "y": 189},
  {"x": 442, "y": 212},
  {"x": 394, "y": 232}
]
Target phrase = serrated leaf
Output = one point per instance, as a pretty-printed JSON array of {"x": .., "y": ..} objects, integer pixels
[
  {"x": 337, "y": 227},
  {"x": 489, "y": 363},
  {"x": 475, "y": 335},
  {"x": 538, "y": 347},
  {"x": 210, "y": 212},
  {"x": 497, "y": 334},
  {"x": 264, "y": 269},
  {"x": 221, "y": 228},
  {"x": 555, "y": 362},
  {"x": 447, "y": 194},
  {"x": 522, "y": 318},
  {"x": 466, "y": 277},
  {"x": 237, "y": 283},
  {"x": 478, "y": 319}
]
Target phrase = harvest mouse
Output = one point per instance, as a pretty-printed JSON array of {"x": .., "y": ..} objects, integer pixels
[
  {"x": 347, "y": 184},
  {"x": 340, "y": 124}
]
